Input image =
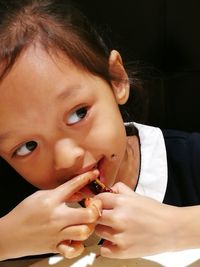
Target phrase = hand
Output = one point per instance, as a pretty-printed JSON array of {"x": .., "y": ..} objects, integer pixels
[
  {"x": 43, "y": 220},
  {"x": 135, "y": 226},
  {"x": 70, "y": 248}
]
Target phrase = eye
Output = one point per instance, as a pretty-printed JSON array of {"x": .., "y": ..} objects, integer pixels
[
  {"x": 77, "y": 115},
  {"x": 26, "y": 149}
]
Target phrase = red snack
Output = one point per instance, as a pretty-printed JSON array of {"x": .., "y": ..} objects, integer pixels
[{"x": 97, "y": 187}]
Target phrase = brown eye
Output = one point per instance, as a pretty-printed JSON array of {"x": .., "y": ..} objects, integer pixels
[
  {"x": 26, "y": 148},
  {"x": 77, "y": 115}
]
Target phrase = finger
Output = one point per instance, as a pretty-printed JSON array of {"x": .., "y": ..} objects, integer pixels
[
  {"x": 77, "y": 232},
  {"x": 66, "y": 190},
  {"x": 107, "y": 218},
  {"x": 95, "y": 205},
  {"x": 108, "y": 200},
  {"x": 121, "y": 188},
  {"x": 105, "y": 232},
  {"x": 81, "y": 215},
  {"x": 109, "y": 250},
  {"x": 70, "y": 249}
]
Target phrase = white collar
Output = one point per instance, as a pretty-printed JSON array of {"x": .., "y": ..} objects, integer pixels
[{"x": 153, "y": 171}]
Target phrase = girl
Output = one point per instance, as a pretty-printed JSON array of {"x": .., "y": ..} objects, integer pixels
[{"x": 61, "y": 127}]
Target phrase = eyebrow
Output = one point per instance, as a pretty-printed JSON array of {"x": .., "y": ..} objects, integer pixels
[
  {"x": 5, "y": 136},
  {"x": 67, "y": 92}
]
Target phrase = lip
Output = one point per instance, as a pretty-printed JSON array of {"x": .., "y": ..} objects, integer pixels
[
  {"x": 97, "y": 165},
  {"x": 85, "y": 191},
  {"x": 100, "y": 168},
  {"x": 81, "y": 171},
  {"x": 86, "y": 169}
]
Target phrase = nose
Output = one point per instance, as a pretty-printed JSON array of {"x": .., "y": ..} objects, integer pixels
[{"x": 67, "y": 153}]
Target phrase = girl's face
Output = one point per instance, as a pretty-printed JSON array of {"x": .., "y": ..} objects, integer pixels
[{"x": 58, "y": 121}]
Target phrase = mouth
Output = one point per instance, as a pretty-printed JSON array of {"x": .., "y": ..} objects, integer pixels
[
  {"x": 92, "y": 188},
  {"x": 98, "y": 166},
  {"x": 95, "y": 187}
]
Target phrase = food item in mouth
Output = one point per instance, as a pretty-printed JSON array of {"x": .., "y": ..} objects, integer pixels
[{"x": 97, "y": 187}]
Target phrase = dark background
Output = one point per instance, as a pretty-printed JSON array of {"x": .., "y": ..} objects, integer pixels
[{"x": 165, "y": 35}]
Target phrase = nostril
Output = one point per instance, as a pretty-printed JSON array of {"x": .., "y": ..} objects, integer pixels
[{"x": 67, "y": 153}]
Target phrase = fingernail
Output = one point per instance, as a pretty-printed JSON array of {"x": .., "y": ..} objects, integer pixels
[
  {"x": 96, "y": 172},
  {"x": 97, "y": 209}
]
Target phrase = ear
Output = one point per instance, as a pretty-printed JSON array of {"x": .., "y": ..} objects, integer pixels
[{"x": 120, "y": 83}]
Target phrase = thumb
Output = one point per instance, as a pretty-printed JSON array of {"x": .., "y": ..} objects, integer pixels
[{"x": 70, "y": 249}]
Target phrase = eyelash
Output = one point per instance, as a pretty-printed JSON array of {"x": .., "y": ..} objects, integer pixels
[
  {"x": 30, "y": 144},
  {"x": 83, "y": 113}
]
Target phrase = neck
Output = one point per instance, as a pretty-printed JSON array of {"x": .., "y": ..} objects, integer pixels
[{"x": 129, "y": 171}]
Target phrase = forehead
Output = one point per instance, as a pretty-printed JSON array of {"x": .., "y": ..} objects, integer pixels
[
  {"x": 35, "y": 79},
  {"x": 36, "y": 70},
  {"x": 35, "y": 60}
]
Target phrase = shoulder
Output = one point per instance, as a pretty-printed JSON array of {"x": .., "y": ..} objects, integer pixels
[
  {"x": 183, "y": 159},
  {"x": 183, "y": 144},
  {"x": 177, "y": 134}
]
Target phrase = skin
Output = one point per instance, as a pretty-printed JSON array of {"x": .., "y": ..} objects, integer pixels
[
  {"x": 42, "y": 98},
  {"x": 41, "y": 107},
  {"x": 135, "y": 226},
  {"x": 40, "y": 223},
  {"x": 73, "y": 136}
]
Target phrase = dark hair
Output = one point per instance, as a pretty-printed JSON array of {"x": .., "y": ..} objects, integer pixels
[{"x": 56, "y": 25}]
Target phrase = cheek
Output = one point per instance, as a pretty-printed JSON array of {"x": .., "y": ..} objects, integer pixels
[
  {"x": 39, "y": 176},
  {"x": 110, "y": 138},
  {"x": 41, "y": 182},
  {"x": 116, "y": 139},
  {"x": 111, "y": 142}
]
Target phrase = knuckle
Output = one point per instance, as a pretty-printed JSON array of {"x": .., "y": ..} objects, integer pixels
[
  {"x": 92, "y": 216},
  {"x": 122, "y": 218},
  {"x": 94, "y": 211},
  {"x": 45, "y": 202},
  {"x": 121, "y": 244},
  {"x": 120, "y": 200},
  {"x": 84, "y": 232}
]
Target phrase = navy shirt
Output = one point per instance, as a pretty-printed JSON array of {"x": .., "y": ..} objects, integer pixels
[{"x": 183, "y": 160}]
